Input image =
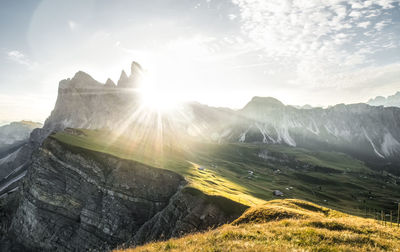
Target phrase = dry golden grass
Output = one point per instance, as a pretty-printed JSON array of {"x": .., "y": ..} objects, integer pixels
[{"x": 288, "y": 225}]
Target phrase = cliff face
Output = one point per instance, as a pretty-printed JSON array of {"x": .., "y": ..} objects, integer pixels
[
  {"x": 84, "y": 102},
  {"x": 73, "y": 201},
  {"x": 76, "y": 200},
  {"x": 188, "y": 211}
]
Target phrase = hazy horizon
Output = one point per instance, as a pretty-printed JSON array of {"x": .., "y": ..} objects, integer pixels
[{"x": 220, "y": 53}]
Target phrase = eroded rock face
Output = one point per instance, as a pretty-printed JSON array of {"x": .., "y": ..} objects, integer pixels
[
  {"x": 76, "y": 201},
  {"x": 73, "y": 199},
  {"x": 188, "y": 211}
]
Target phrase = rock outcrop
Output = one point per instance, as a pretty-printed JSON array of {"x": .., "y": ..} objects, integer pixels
[
  {"x": 188, "y": 211},
  {"x": 133, "y": 80},
  {"x": 73, "y": 199}
]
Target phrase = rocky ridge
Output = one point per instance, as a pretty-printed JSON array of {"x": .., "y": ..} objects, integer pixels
[{"x": 77, "y": 200}]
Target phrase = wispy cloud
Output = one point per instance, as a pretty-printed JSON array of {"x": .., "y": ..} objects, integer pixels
[
  {"x": 20, "y": 58},
  {"x": 322, "y": 41}
]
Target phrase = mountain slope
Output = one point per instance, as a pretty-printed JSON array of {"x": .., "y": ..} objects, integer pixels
[
  {"x": 288, "y": 225},
  {"x": 368, "y": 133},
  {"x": 249, "y": 173},
  {"x": 14, "y": 139}
]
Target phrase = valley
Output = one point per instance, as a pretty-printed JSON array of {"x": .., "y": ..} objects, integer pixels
[{"x": 249, "y": 173}]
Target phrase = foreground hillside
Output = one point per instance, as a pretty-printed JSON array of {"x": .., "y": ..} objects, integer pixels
[
  {"x": 288, "y": 225},
  {"x": 97, "y": 190}
]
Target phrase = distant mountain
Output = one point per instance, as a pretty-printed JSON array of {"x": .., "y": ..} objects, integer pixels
[
  {"x": 16, "y": 132},
  {"x": 307, "y": 106},
  {"x": 390, "y": 101},
  {"x": 14, "y": 152},
  {"x": 366, "y": 132}
]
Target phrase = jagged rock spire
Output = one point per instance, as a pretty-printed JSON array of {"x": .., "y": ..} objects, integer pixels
[
  {"x": 133, "y": 79},
  {"x": 136, "y": 68},
  {"x": 123, "y": 79},
  {"x": 110, "y": 83}
]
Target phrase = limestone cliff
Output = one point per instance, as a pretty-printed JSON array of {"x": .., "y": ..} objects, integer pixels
[{"x": 73, "y": 199}]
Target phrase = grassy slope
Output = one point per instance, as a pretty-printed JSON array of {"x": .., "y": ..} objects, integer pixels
[
  {"x": 288, "y": 225},
  {"x": 339, "y": 182}
]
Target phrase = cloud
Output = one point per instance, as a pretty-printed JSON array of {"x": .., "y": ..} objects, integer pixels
[
  {"x": 380, "y": 25},
  {"x": 20, "y": 58},
  {"x": 232, "y": 16},
  {"x": 322, "y": 41},
  {"x": 364, "y": 24}
]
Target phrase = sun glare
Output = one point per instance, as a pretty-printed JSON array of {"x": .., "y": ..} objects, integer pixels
[
  {"x": 158, "y": 100},
  {"x": 158, "y": 91}
]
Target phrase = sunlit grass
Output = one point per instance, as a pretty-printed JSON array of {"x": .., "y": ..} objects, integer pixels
[
  {"x": 288, "y": 225},
  {"x": 210, "y": 182}
]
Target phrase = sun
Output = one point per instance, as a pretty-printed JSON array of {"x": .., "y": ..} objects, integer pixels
[{"x": 154, "y": 99}]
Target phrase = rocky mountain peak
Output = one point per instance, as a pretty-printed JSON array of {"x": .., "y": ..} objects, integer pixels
[
  {"x": 123, "y": 77},
  {"x": 110, "y": 83},
  {"x": 123, "y": 80},
  {"x": 81, "y": 80},
  {"x": 264, "y": 103},
  {"x": 136, "y": 68},
  {"x": 390, "y": 101},
  {"x": 80, "y": 75},
  {"x": 133, "y": 80}
]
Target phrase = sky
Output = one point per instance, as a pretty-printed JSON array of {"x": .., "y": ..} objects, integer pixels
[{"x": 217, "y": 52}]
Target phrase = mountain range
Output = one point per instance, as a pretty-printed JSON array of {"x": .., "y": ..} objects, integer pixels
[
  {"x": 390, "y": 101},
  {"x": 367, "y": 132},
  {"x": 73, "y": 197}
]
